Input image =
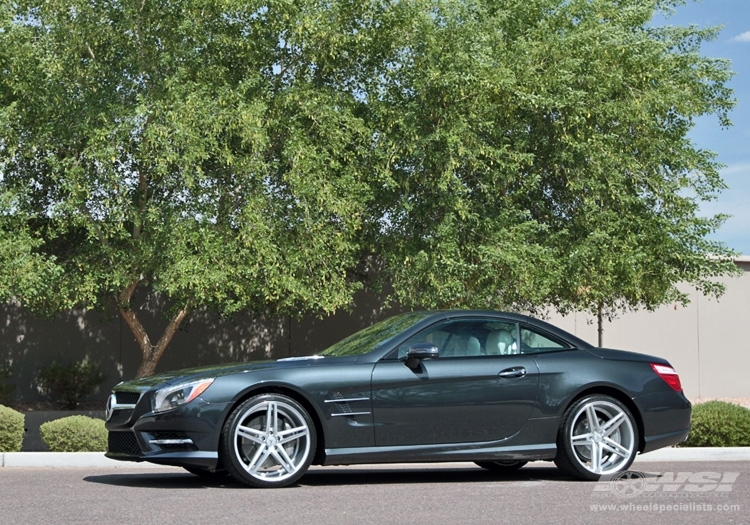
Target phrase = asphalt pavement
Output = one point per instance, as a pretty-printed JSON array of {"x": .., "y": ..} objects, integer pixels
[{"x": 664, "y": 492}]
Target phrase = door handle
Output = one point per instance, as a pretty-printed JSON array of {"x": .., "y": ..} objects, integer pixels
[{"x": 516, "y": 371}]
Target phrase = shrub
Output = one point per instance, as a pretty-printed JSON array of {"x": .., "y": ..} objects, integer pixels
[
  {"x": 68, "y": 384},
  {"x": 11, "y": 429},
  {"x": 719, "y": 424},
  {"x": 74, "y": 434}
]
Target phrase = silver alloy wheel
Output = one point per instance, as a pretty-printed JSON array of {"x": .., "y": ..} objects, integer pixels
[
  {"x": 602, "y": 437},
  {"x": 271, "y": 441}
]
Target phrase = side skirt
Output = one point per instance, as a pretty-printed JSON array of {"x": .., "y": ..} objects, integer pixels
[{"x": 429, "y": 453}]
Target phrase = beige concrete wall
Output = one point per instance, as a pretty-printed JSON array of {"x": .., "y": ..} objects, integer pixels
[{"x": 708, "y": 341}]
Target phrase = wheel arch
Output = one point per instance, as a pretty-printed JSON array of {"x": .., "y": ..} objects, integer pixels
[
  {"x": 293, "y": 393},
  {"x": 621, "y": 397}
]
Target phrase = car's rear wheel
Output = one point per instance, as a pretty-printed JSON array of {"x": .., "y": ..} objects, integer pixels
[
  {"x": 268, "y": 441},
  {"x": 502, "y": 466},
  {"x": 598, "y": 437}
]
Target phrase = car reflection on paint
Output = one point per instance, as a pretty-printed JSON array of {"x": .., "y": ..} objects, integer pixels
[{"x": 493, "y": 388}]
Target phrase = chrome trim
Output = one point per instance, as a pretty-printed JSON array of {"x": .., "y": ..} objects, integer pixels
[
  {"x": 350, "y": 414},
  {"x": 350, "y": 400},
  {"x": 112, "y": 405},
  {"x": 302, "y": 358},
  {"x": 171, "y": 441}
]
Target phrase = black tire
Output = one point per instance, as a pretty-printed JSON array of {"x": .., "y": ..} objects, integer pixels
[
  {"x": 501, "y": 467},
  {"x": 268, "y": 441},
  {"x": 608, "y": 449},
  {"x": 217, "y": 475}
]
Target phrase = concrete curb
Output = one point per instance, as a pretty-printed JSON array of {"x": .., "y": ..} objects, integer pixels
[
  {"x": 697, "y": 454},
  {"x": 97, "y": 459}
]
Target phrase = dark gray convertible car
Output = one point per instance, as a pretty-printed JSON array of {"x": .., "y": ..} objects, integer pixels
[{"x": 493, "y": 388}]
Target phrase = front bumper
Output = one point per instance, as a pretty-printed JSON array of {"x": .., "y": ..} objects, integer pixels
[{"x": 187, "y": 436}]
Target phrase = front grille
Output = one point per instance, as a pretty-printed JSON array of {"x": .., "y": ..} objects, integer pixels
[
  {"x": 120, "y": 417},
  {"x": 127, "y": 398},
  {"x": 123, "y": 443}
]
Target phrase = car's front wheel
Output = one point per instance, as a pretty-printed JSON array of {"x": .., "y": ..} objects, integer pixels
[
  {"x": 598, "y": 437},
  {"x": 268, "y": 441}
]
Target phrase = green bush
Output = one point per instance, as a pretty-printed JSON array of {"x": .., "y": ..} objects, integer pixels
[
  {"x": 11, "y": 429},
  {"x": 74, "y": 434},
  {"x": 719, "y": 424},
  {"x": 68, "y": 384}
]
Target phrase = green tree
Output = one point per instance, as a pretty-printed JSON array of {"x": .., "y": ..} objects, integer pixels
[
  {"x": 617, "y": 152},
  {"x": 212, "y": 151},
  {"x": 543, "y": 158},
  {"x": 259, "y": 154}
]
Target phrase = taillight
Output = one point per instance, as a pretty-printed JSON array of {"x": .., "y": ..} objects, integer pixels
[{"x": 668, "y": 374}]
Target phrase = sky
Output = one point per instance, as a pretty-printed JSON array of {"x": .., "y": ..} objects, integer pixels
[{"x": 731, "y": 144}]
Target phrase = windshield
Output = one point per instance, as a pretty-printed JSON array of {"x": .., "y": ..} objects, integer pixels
[{"x": 372, "y": 337}]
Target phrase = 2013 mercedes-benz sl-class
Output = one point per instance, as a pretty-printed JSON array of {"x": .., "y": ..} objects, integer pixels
[{"x": 493, "y": 388}]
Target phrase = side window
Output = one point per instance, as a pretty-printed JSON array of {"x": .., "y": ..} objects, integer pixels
[
  {"x": 533, "y": 342},
  {"x": 467, "y": 338},
  {"x": 501, "y": 340}
]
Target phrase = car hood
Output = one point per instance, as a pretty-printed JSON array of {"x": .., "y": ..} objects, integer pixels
[{"x": 191, "y": 374}]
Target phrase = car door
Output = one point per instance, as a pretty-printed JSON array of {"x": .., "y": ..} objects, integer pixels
[{"x": 479, "y": 389}]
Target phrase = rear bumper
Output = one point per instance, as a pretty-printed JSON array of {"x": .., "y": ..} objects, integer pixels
[
  {"x": 665, "y": 417},
  {"x": 664, "y": 440}
]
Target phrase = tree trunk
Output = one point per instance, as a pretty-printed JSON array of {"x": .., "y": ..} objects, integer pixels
[
  {"x": 151, "y": 352},
  {"x": 600, "y": 325}
]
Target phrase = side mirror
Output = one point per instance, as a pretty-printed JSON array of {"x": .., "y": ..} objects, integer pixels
[{"x": 421, "y": 351}]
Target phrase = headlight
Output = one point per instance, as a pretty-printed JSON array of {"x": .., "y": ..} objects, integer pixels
[{"x": 175, "y": 396}]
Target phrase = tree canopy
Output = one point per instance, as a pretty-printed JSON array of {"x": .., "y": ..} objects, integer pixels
[
  {"x": 260, "y": 155},
  {"x": 551, "y": 162}
]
